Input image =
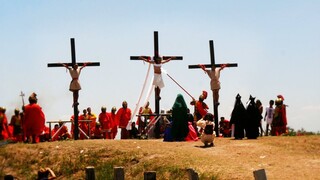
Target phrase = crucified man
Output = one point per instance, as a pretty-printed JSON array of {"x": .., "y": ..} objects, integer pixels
[
  {"x": 214, "y": 75},
  {"x": 75, "y": 83},
  {"x": 157, "y": 80}
]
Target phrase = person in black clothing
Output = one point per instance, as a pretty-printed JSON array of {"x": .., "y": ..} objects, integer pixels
[
  {"x": 253, "y": 119},
  {"x": 238, "y": 118}
]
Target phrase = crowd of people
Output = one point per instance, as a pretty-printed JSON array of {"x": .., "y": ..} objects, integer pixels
[
  {"x": 247, "y": 122},
  {"x": 177, "y": 124}
]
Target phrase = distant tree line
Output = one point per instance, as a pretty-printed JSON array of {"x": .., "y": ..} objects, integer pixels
[{"x": 300, "y": 132}]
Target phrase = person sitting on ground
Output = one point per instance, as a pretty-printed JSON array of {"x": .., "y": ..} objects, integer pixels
[
  {"x": 97, "y": 132},
  {"x": 134, "y": 132},
  {"x": 55, "y": 133},
  {"x": 64, "y": 133}
]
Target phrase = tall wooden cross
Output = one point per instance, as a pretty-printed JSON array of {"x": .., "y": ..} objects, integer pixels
[
  {"x": 215, "y": 105},
  {"x": 156, "y": 55},
  {"x": 22, "y": 97},
  {"x": 73, "y": 62}
]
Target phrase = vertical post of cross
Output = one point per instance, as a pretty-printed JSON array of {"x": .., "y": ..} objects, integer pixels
[
  {"x": 75, "y": 106},
  {"x": 156, "y": 55}
]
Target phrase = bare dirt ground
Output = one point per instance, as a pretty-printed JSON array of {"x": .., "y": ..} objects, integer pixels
[{"x": 285, "y": 157}]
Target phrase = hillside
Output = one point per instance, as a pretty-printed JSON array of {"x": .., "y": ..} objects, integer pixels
[{"x": 286, "y": 157}]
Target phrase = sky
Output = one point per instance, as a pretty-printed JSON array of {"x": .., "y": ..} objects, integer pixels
[{"x": 275, "y": 43}]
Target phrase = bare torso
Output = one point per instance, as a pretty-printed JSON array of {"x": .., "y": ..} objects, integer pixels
[{"x": 157, "y": 68}]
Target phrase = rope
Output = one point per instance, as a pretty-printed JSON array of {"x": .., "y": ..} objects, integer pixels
[
  {"x": 178, "y": 84},
  {"x": 152, "y": 123}
]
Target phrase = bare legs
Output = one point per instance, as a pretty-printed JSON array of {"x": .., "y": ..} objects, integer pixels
[
  {"x": 216, "y": 96},
  {"x": 158, "y": 90},
  {"x": 75, "y": 98}
]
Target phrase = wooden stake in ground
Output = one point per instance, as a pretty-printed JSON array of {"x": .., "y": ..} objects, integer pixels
[
  {"x": 213, "y": 65},
  {"x": 73, "y": 62},
  {"x": 156, "y": 56}
]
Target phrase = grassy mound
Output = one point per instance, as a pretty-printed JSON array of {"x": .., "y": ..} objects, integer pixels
[{"x": 286, "y": 157}]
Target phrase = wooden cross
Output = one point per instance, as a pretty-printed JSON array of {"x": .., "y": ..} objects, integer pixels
[
  {"x": 215, "y": 105},
  {"x": 22, "y": 97},
  {"x": 156, "y": 55},
  {"x": 73, "y": 62}
]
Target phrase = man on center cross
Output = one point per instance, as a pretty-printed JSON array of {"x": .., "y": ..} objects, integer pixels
[
  {"x": 214, "y": 75},
  {"x": 157, "y": 80}
]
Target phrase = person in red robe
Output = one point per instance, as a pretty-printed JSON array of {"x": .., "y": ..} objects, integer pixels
[
  {"x": 45, "y": 135},
  {"x": 123, "y": 116},
  {"x": 64, "y": 132},
  {"x": 200, "y": 110},
  {"x": 279, "y": 122},
  {"x": 192, "y": 134},
  {"x": 105, "y": 123},
  {"x": 97, "y": 132},
  {"x": 72, "y": 124},
  {"x": 83, "y": 125},
  {"x": 55, "y": 135},
  {"x": 4, "y": 128},
  {"x": 114, "y": 122},
  {"x": 224, "y": 127},
  {"x": 34, "y": 119}
]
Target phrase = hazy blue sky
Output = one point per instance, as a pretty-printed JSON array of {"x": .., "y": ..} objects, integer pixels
[{"x": 275, "y": 43}]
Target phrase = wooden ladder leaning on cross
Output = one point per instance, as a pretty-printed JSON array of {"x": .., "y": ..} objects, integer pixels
[
  {"x": 74, "y": 65},
  {"x": 213, "y": 65},
  {"x": 156, "y": 57}
]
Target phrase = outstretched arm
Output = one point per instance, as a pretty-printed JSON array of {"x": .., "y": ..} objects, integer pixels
[
  {"x": 223, "y": 66},
  {"x": 204, "y": 68},
  {"x": 66, "y": 66},
  {"x": 145, "y": 59},
  {"x": 84, "y": 65},
  {"x": 167, "y": 60}
]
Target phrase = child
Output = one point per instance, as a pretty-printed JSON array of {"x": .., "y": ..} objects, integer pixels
[{"x": 207, "y": 136}]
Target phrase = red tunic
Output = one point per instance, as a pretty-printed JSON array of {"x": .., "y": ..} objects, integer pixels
[
  {"x": 4, "y": 129},
  {"x": 83, "y": 126},
  {"x": 105, "y": 121},
  {"x": 114, "y": 120},
  {"x": 56, "y": 136},
  {"x": 202, "y": 108},
  {"x": 114, "y": 124},
  {"x": 72, "y": 124},
  {"x": 34, "y": 120},
  {"x": 97, "y": 133},
  {"x": 123, "y": 116}
]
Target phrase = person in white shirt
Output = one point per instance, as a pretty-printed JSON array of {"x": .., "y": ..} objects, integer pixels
[{"x": 269, "y": 116}]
